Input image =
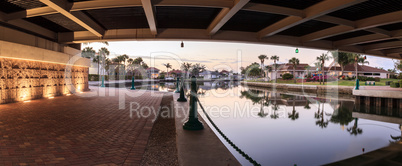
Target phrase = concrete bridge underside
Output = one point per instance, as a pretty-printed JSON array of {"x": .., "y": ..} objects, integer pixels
[{"x": 362, "y": 26}]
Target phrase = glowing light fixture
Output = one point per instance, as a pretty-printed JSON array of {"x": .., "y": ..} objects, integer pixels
[
  {"x": 182, "y": 44},
  {"x": 297, "y": 50},
  {"x": 51, "y": 97},
  {"x": 27, "y": 101},
  {"x": 68, "y": 94}
]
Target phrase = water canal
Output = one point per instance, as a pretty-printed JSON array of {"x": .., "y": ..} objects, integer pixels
[{"x": 276, "y": 128}]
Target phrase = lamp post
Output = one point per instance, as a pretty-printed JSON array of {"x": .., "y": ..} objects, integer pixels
[
  {"x": 357, "y": 78},
  {"x": 177, "y": 85}
]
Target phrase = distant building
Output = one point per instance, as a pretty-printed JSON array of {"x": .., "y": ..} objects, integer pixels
[
  {"x": 210, "y": 75},
  {"x": 349, "y": 70},
  {"x": 153, "y": 72},
  {"x": 363, "y": 70},
  {"x": 288, "y": 68}
]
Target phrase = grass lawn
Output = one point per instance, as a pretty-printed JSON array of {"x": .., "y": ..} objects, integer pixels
[{"x": 340, "y": 82}]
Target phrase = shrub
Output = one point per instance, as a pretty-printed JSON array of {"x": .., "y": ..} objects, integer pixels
[
  {"x": 93, "y": 77},
  {"x": 395, "y": 84},
  {"x": 377, "y": 79},
  {"x": 287, "y": 76}
]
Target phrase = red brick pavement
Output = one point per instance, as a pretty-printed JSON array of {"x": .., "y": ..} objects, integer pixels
[{"x": 75, "y": 130}]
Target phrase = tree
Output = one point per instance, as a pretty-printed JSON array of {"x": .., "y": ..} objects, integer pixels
[
  {"x": 307, "y": 67},
  {"x": 88, "y": 52},
  {"x": 137, "y": 61},
  {"x": 322, "y": 58},
  {"x": 355, "y": 130},
  {"x": 343, "y": 59},
  {"x": 186, "y": 67},
  {"x": 252, "y": 70},
  {"x": 398, "y": 65},
  {"x": 167, "y": 65},
  {"x": 275, "y": 58},
  {"x": 124, "y": 57},
  {"x": 197, "y": 68},
  {"x": 262, "y": 59},
  {"x": 103, "y": 53},
  {"x": 294, "y": 61},
  {"x": 356, "y": 58}
]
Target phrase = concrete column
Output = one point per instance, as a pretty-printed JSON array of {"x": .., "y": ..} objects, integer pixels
[{"x": 378, "y": 102}]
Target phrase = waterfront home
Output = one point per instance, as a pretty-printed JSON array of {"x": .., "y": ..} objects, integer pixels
[
  {"x": 363, "y": 70},
  {"x": 300, "y": 70},
  {"x": 210, "y": 74},
  {"x": 350, "y": 70},
  {"x": 153, "y": 72}
]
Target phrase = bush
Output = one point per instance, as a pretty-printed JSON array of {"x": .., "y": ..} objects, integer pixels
[
  {"x": 395, "y": 84},
  {"x": 377, "y": 79},
  {"x": 287, "y": 76},
  {"x": 95, "y": 77}
]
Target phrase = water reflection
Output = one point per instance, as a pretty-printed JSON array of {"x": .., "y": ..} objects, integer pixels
[{"x": 326, "y": 127}]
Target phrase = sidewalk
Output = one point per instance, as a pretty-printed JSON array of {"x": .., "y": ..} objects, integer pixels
[
  {"x": 201, "y": 147},
  {"x": 76, "y": 130}
]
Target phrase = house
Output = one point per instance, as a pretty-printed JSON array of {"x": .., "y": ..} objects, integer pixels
[
  {"x": 300, "y": 70},
  {"x": 349, "y": 70},
  {"x": 176, "y": 73},
  {"x": 363, "y": 70},
  {"x": 153, "y": 72},
  {"x": 210, "y": 74}
]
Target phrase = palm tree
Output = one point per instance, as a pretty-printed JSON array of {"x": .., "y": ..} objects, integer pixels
[
  {"x": 294, "y": 61},
  {"x": 262, "y": 59},
  {"x": 108, "y": 62},
  {"x": 124, "y": 57},
  {"x": 343, "y": 59},
  {"x": 167, "y": 65},
  {"x": 307, "y": 67},
  {"x": 103, "y": 53},
  {"x": 186, "y": 67},
  {"x": 275, "y": 58},
  {"x": 88, "y": 52},
  {"x": 356, "y": 58},
  {"x": 322, "y": 58},
  {"x": 97, "y": 60}
]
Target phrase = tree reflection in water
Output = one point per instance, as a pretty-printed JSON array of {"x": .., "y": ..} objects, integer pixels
[
  {"x": 320, "y": 116},
  {"x": 257, "y": 97},
  {"x": 294, "y": 115},
  {"x": 354, "y": 130},
  {"x": 397, "y": 139}
]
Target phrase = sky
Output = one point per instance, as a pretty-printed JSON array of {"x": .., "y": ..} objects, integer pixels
[{"x": 216, "y": 55}]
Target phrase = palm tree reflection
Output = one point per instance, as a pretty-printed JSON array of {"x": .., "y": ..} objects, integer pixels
[
  {"x": 320, "y": 116},
  {"x": 355, "y": 130},
  {"x": 294, "y": 115},
  {"x": 256, "y": 98},
  {"x": 397, "y": 139}
]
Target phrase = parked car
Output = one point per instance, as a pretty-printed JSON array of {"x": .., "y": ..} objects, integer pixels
[{"x": 169, "y": 78}]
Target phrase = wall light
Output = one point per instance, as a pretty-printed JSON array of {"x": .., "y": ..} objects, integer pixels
[
  {"x": 182, "y": 44},
  {"x": 297, "y": 50}
]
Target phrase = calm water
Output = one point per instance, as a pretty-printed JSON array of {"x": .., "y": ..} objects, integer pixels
[{"x": 275, "y": 128}]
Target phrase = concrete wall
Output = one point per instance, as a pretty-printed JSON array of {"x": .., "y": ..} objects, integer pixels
[{"x": 28, "y": 72}]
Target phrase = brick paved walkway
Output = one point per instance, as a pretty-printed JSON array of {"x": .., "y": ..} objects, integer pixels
[{"x": 74, "y": 130}]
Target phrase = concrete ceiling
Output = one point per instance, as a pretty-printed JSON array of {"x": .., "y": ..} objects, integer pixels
[{"x": 363, "y": 26}]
